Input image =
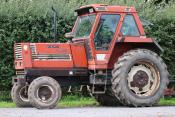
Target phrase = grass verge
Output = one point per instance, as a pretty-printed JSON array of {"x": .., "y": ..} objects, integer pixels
[
  {"x": 77, "y": 101},
  {"x": 7, "y": 105},
  {"x": 81, "y": 101},
  {"x": 66, "y": 101},
  {"x": 167, "y": 102}
]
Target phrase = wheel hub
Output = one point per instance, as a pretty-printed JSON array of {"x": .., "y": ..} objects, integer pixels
[
  {"x": 140, "y": 79},
  {"x": 23, "y": 94},
  {"x": 44, "y": 93}
]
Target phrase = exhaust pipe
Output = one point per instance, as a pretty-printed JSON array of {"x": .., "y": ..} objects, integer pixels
[{"x": 54, "y": 26}]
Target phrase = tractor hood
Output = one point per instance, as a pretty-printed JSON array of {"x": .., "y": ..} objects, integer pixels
[
  {"x": 42, "y": 55},
  {"x": 49, "y": 55}
]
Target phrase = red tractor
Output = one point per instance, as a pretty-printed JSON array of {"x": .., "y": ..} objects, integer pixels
[{"x": 108, "y": 51}]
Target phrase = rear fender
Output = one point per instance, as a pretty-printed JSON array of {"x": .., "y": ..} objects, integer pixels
[
  {"x": 137, "y": 42},
  {"x": 123, "y": 45}
]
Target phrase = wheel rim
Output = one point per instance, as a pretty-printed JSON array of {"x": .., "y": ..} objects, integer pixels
[
  {"x": 23, "y": 94},
  {"x": 45, "y": 93},
  {"x": 143, "y": 79}
]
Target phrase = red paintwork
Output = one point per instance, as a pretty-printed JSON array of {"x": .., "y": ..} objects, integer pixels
[
  {"x": 52, "y": 64},
  {"x": 109, "y": 8},
  {"x": 26, "y": 62},
  {"x": 138, "y": 39},
  {"x": 79, "y": 55},
  {"x": 77, "y": 48},
  {"x": 60, "y": 48},
  {"x": 77, "y": 52}
]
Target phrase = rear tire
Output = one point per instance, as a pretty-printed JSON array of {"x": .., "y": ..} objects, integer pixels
[
  {"x": 139, "y": 78},
  {"x": 107, "y": 99},
  {"x": 19, "y": 96},
  {"x": 44, "y": 92}
]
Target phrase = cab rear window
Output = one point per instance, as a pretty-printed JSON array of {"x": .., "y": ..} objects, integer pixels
[{"x": 129, "y": 27}]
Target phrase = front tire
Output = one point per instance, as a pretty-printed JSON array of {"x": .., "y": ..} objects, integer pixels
[
  {"x": 139, "y": 78},
  {"x": 44, "y": 92},
  {"x": 19, "y": 95}
]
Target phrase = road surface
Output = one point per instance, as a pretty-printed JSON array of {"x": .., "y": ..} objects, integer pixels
[{"x": 167, "y": 111}]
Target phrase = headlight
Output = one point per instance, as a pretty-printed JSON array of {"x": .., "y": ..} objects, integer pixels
[{"x": 25, "y": 47}]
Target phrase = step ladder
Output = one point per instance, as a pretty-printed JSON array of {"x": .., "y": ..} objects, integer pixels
[{"x": 97, "y": 91}]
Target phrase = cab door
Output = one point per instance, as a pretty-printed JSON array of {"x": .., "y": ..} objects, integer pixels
[{"x": 103, "y": 37}]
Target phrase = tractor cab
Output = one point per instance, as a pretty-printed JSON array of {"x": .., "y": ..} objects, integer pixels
[{"x": 100, "y": 27}]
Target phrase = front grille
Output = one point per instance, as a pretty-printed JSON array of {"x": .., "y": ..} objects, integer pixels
[
  {"x": 18, "y": 52},
  {"x": 51, "y": 56}
]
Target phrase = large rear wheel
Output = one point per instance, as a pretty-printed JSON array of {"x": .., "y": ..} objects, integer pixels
[
  {"x": 107, "y": 99},
  {"x": 139, "y": 78},
  {"x": 44, "y": 92}
]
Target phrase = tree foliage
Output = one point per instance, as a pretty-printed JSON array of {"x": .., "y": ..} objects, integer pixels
[{"x": 30, "y": 21}]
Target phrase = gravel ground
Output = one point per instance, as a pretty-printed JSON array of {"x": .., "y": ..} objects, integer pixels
[{"x": 90, "y": 112}]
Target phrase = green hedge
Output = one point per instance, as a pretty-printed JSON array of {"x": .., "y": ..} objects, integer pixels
[
  {"x": 30, "y": 21},
  {"x": 163, "y": 31}
]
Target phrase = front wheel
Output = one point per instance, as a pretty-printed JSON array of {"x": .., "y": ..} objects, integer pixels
[
  {"x": 44, "y": 92},
  {"x": 139, "y": 78},
  {"x": 19, "y": 95}
]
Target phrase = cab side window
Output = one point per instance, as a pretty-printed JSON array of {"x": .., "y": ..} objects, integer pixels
[
  {"x": 105, "y": 31},
  {"x": 129, "y": 27}
]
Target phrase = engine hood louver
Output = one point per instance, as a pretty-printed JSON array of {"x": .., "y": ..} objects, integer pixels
[
  {"x": 36, "y": 56},
  {"x": 51, "y": 56}
]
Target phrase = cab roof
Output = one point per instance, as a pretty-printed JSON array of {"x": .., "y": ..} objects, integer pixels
[{"x": 105, "y": 8}]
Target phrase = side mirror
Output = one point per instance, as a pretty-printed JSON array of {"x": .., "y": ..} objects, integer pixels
[{"x": 69, "y": 35}]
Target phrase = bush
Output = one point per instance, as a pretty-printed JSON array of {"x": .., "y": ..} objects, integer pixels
[
  {"x": 30, "y": 21},
  {"x": 5, "y": 96},
  {"x": 163, "y": 31}
]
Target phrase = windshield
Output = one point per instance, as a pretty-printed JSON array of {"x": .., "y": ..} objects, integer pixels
[{"x": 84, "y": 26}]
